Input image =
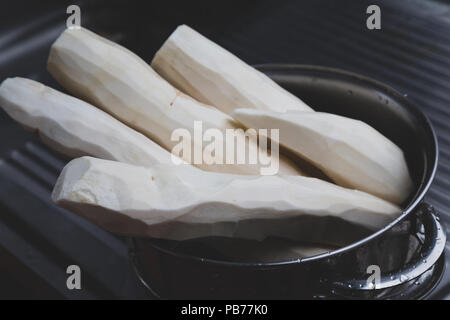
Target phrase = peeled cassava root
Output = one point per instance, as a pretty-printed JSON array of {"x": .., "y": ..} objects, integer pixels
[
  {"x": 74, "y": 127},
  {"x": 174, "y": 203},
  {"x": 212, "y": 75},
  {"x": 119, "y": 82},
  {"x": 349, "y": 151}
]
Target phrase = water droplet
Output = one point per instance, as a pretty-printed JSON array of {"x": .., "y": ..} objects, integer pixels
[
  {"x": 405, "y": 95},
  {"x": 403, "y": 278}
]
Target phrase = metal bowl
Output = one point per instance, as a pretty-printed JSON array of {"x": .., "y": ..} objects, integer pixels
[{"x": 405, "y": 251}]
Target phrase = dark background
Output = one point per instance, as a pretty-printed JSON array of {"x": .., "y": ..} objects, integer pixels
[{"x": 411, "y": 53}]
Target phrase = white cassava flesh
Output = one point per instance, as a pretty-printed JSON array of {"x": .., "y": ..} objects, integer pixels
[
  {"x": 74, "y": 127},
  {"x": 174, "y": 203},
  {"x": 119, "y": 82},
  {"x": 212, "y": 75},
  {"x": 349, "y": 151}
]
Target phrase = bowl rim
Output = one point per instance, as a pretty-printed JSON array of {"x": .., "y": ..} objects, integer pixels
[{"x": 391, "y": 92}]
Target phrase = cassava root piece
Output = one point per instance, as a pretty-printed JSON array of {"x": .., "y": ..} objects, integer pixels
[
  {"x": 212, "y": 75},
  {"x": 174, "y": 203},
  {"x": 119, "y": 82},
  {"x": 74, "y": 127},
  {"x": 349, "y": 151}
]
